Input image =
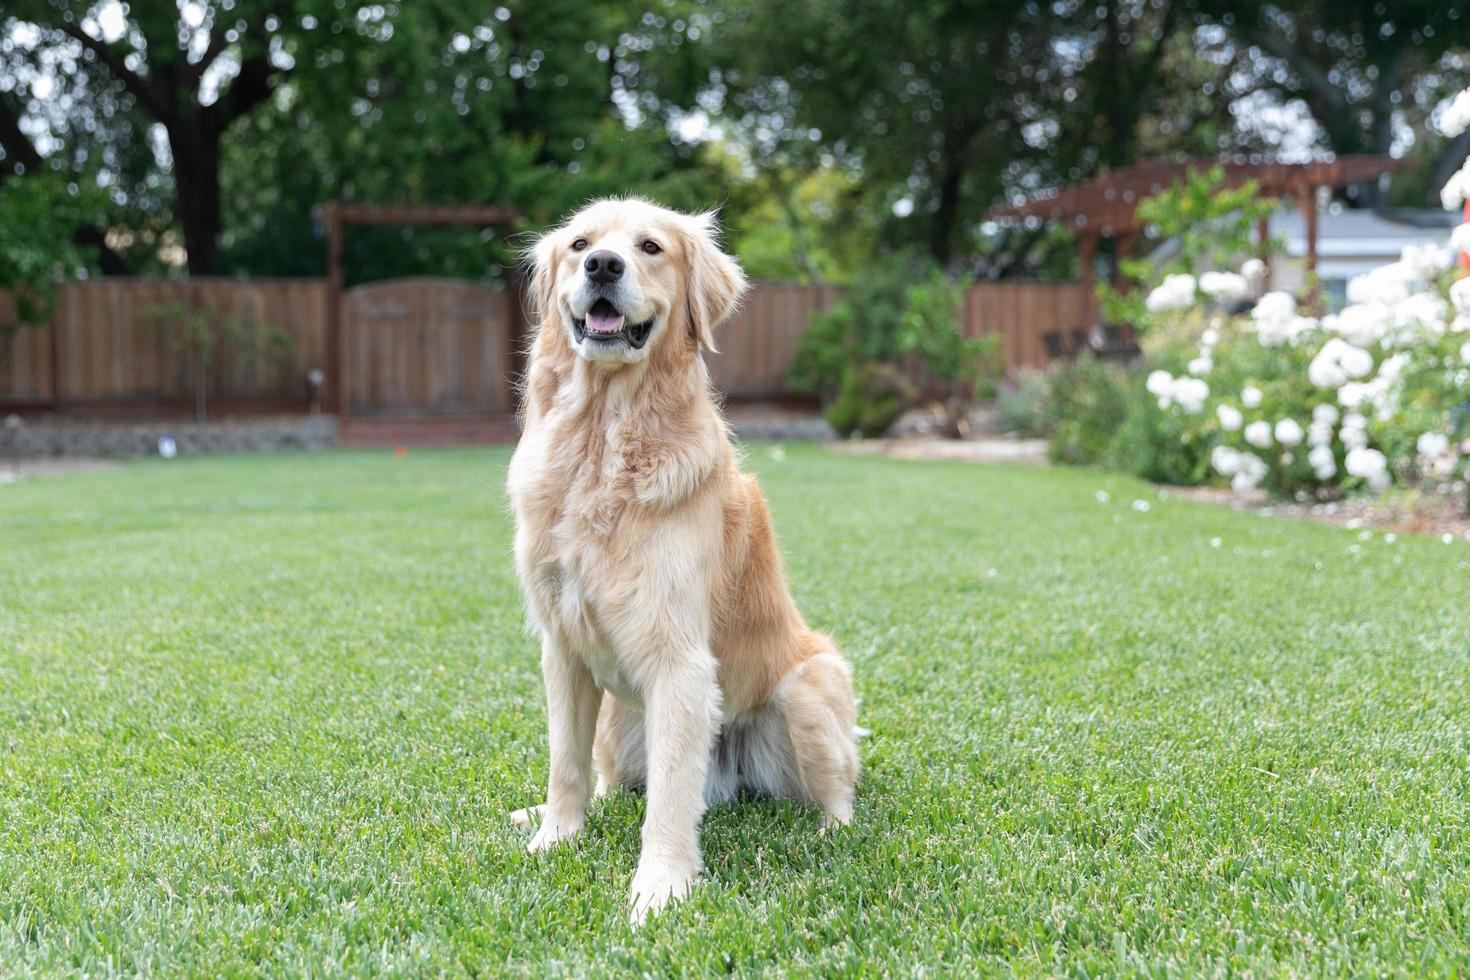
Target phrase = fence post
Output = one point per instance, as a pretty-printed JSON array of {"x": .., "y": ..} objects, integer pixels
[
  {"x": 55, "y": 327},
  {"x": 336, "y": 366}
]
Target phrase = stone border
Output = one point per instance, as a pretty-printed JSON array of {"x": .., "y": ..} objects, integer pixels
[{"x": 20, "y": 439}]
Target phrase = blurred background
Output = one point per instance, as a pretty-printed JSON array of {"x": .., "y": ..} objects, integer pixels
[{"x": 177, "y": 178}]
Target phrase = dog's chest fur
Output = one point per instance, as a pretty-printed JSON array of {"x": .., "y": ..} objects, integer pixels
[{"x": 587, "y": 487}]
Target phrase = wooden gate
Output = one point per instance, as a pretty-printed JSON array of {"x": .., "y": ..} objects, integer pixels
[{"x": 427, "y": 346}]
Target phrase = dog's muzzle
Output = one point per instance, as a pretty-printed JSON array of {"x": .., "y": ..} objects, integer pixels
[{"x": 603, "y": 324}]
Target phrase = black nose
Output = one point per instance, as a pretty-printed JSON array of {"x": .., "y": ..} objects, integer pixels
[{"x": 603, "y": 266}]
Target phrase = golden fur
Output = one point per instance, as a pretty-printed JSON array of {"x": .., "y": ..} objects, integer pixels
[{"x": 672, "y": 651}]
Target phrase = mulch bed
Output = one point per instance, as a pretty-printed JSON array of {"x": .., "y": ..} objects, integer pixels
[{"x": 1404, "y": 513}]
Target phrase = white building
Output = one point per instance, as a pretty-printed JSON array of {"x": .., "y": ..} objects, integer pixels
[{"x": 1350, "y": 243}]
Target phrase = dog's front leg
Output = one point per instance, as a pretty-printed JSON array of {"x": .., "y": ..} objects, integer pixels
[
  {"x": 572, "y": 698},
  {"x": 681, "y": 718}
]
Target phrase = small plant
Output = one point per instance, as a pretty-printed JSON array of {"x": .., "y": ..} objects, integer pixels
[
  {"x": 870, "y": 399},
  {"x": 903, "y": 316},
  {"x": 863, "y": 328},
  {"x": 1021, "y": 405},
  {"x": 199, "y": 333},
  {"x": 968, "y": 367},
  {"x": 1087, "y": 402}
]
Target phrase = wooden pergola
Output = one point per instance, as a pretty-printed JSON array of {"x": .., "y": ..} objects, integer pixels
[
  {"x": 336, "y": 216},
  {"x": 1107, "y": 207}
]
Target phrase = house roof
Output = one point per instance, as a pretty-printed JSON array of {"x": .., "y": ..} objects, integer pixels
[
  {"x": 1361, "y": 232},
  {"x": 1107, "y": 205}
]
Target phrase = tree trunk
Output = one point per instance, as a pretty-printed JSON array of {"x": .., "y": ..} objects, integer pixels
[
  {"x": 196, "y": 179},
  {"x": 946, "y": 213}
]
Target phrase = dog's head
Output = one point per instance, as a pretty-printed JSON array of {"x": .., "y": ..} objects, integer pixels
[{"x": 621, "y": 278}]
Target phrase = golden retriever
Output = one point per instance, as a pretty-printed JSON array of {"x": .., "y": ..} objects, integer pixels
[{"x": 673, "y": 654}]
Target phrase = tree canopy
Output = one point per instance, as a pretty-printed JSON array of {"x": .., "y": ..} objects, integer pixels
[{"x": 202, "y": 133}]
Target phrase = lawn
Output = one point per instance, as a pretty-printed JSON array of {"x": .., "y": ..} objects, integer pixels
[{"x": 268, "y": 714}]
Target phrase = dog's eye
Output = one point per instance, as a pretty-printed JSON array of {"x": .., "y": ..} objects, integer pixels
[
  {"x": 651, "y": 247},
  {"x": 579, "y": 245}
]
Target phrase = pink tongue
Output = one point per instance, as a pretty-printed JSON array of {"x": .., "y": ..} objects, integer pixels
[{"x": 601, "y": 323}]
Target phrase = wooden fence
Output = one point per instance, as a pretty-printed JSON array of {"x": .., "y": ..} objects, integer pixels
[
  {"x": 115, "y": 343},
  {"x": 420, "y": 345}
]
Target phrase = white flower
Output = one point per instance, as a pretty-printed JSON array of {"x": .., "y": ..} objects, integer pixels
[
  {"x": 1245, "y": 470},
  {"x": 1250, "y": 396},
  {"x": 1224, "y": 287},
  {"x": 1249, "y": 472},
  {"x": 1289, "y": 432},
  {"x": 1465, "y": 353},
  {"x": 1360, "y": 323},
  {"x": 1323, "y": 462},
  {"x": 1190, "y": 394},
  {"x": 1425, "y": 311},
  {"x": 1337, "y": 363},
  {"x": 1230, "y": 417},
  {"x": 1253, "y": 271},
  {"x": 1176, "y": 292},
  {"x": 1354, "y": 431},
  {"x": 1274, "y": 318},
  {"x": 1210, "y": 337},
  {"x": 1201, "y": 365},
  {"x": 1354, "y": 394},
  {"x": 1433, "y": 444},
  {"x": 1326, "y": 414},
  {"x": 1258, "y": 434},
  {"x": 1426, "y": 261},
  {"x": 1456, "y": 189},
  {"x": 1460, "y": 238},
  {"x": 1456, "y": 117},
  {"x": 1369, "y": 465},
  {"x": 1391, "y": 283},
  {"x": 1392, "y": 367},
  {"x": 1460, "y": 295}
]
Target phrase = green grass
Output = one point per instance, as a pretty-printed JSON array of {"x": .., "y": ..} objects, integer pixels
[{"x": 267, "y": 715}]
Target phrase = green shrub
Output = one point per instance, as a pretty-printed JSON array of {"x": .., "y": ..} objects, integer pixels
[
  {"x": 1021, "y": 405},
  {"x": 1156, "y": 444},
  {"x": 1087, "y": 403},
  {"x": 906, "y": 311},
  {"x": 863, "y": 328},
  {"x": 869, "y": 401}
]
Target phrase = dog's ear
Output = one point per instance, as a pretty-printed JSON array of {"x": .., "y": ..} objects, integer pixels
[
  {"x": 714, "y": 282},
  {"x": 542, "y": 258}
]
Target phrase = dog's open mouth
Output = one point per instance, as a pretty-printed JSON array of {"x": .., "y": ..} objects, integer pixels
[{"x": 603, "y": 324}]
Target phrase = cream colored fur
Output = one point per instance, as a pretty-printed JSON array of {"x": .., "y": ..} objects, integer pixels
[{"x": 672, "y": 652}]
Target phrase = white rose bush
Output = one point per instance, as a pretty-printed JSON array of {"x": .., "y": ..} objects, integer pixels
[
  {"x": 1374, "y": 396},
  {"x": 1249, "y": 387},
  {"x": 1316, "y": 406}
]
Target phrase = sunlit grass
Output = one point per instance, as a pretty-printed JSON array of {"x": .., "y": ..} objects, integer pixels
[{"x": 268, "y": 715}]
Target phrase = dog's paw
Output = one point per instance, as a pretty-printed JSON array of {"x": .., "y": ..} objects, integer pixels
[
  {"x": 656, "y": 884},
  {"x": 834, "y": 817},
  {"x": 553, "y": 830},
  {"x": 527, "y": 818}
]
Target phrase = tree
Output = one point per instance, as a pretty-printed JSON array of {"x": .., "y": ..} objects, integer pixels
[
  {"x": 540, "y": 105},
  {"x": 1352, "y": 63},
  {"x": 40, "y": 217},
  {"x": 193, "y": 69},
  {"x": 942, "y": 108},
  {"x": 917, "y": 98}
]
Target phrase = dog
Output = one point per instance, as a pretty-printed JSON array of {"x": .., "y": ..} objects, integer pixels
[{"x": 673, "y": 656}]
